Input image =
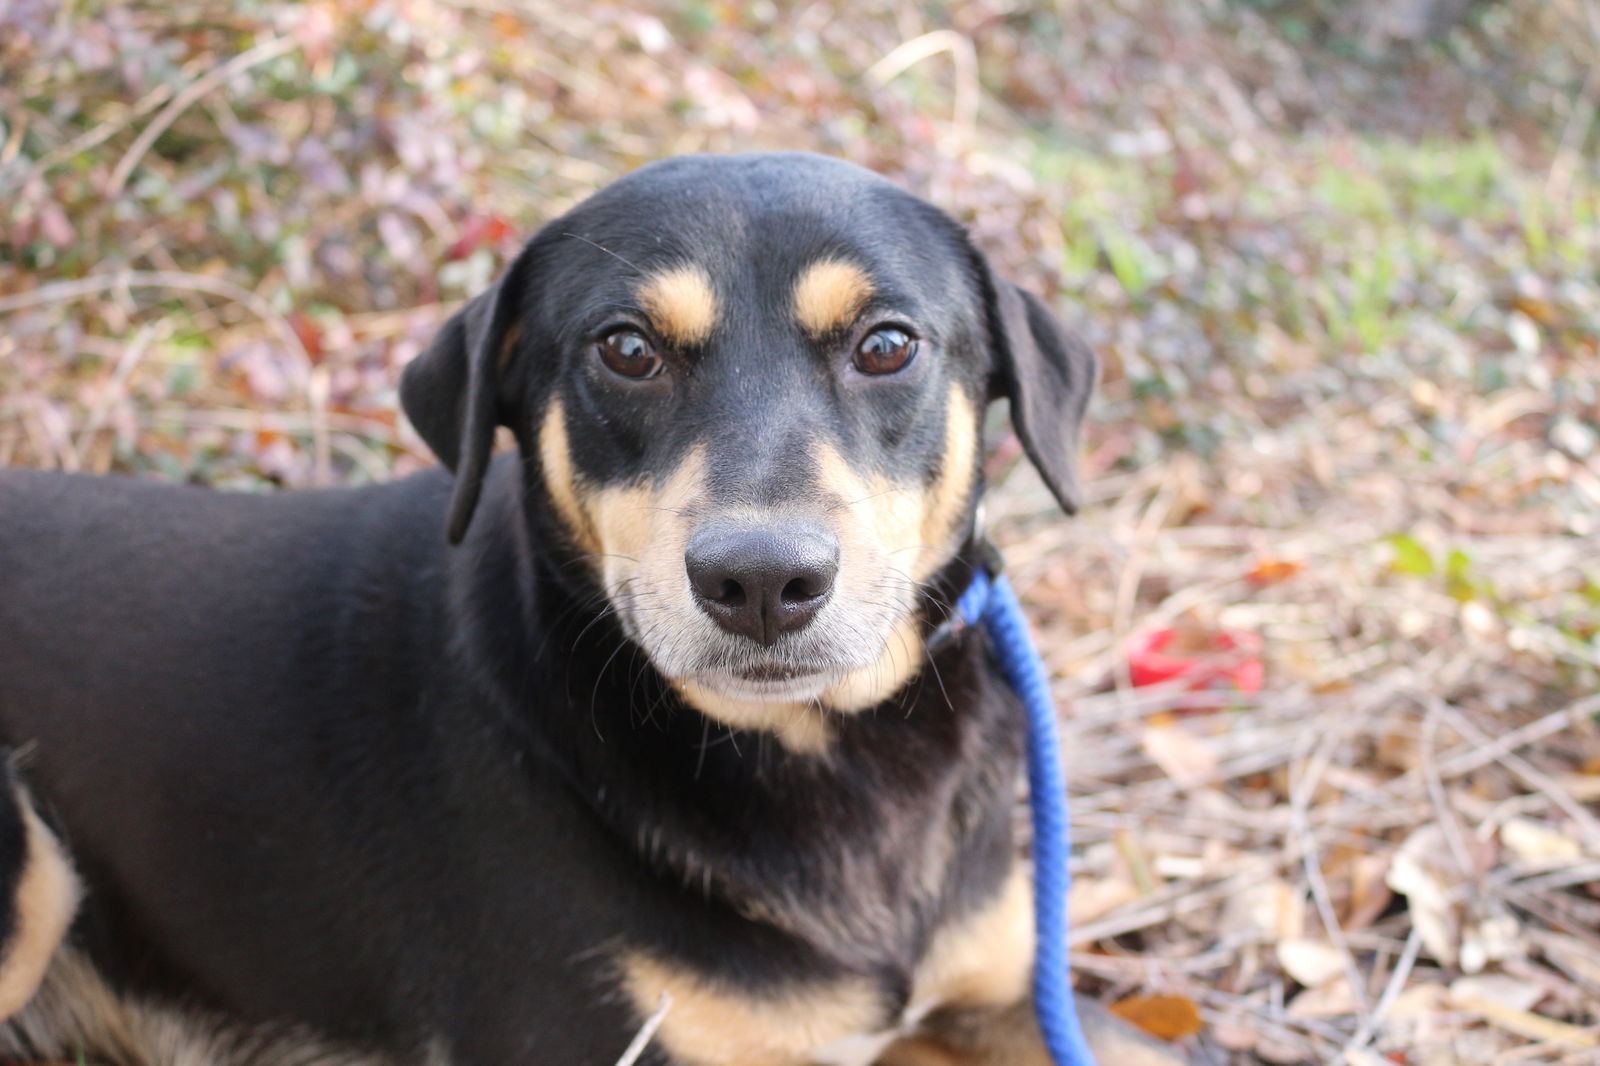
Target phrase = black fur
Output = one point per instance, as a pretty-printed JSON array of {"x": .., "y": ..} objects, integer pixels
[
  {"x": 13, "y": 854},
  {"x": 317, "y": 764}
]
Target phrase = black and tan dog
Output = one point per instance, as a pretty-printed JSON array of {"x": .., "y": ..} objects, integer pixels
[{"x": 482, "y": 769}]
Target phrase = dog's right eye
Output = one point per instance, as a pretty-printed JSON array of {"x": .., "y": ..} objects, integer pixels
[{"x": 629, "y": 353}]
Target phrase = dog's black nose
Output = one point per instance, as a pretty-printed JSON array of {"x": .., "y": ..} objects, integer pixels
[{"x": 764, "y": 582}]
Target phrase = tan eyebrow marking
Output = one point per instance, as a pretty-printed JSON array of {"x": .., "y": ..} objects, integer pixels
[
  {"x": 681, "y": 304},
  {"x": 829, "y": 295}
]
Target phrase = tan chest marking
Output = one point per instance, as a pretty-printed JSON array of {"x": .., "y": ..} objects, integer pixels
[
  {"x": 712, "y": 1025},
  {"x": 984, "y": 959}
]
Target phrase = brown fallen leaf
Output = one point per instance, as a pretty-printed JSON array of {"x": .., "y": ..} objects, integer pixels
[
  {"x": 1511, "y": 992},
  {"x": 1525, "y": 1023},
  {"x": 1420, "y": 872},
  {"x": 1168, "y": 1017},
  {"x": 1270, "y": 571},
  {"x": 1310, "y": 961},
  {"x": 1182, "y": 755},
  {"x": 1325, "y": 1001},
  {"x": 1538, "y": 842}
]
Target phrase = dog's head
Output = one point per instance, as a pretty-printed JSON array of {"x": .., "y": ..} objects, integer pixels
[{"x": 747, "y": 390}]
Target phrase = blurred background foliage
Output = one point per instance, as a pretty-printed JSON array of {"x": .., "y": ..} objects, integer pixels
[
  {"x": 1340, "y": 259},
  {"x": 1274, "y": 203}
]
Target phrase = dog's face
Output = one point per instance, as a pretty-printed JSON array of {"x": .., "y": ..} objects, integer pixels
[{"x": 749, "y": 390}]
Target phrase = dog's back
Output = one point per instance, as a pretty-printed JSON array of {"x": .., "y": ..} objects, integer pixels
[{"x": 242, "y": 709}]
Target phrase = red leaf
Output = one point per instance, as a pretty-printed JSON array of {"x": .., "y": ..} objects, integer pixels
[{"x": 1224, "y": 659}]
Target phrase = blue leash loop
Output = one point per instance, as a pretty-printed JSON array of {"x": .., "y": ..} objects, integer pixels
[{"x": 990, "y": 601}]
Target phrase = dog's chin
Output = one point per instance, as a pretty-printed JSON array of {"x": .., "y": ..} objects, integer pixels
[{"x": 803, "y": 688}]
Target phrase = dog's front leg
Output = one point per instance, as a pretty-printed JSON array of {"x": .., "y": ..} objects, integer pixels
[
  {"x": 1009, "y": 1036},
  {"x": 977, "y": 975}
]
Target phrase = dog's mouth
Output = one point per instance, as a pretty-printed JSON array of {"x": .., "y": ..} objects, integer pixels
[
  {"x": 772, "y": 673},
  {"x": 764, "y": 678},
  {"x": 797, "y": 670},
  {"x": 794, "y": 688}
]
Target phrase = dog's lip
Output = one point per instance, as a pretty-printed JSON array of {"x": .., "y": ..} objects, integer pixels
[{"x": 775, "y": 673}]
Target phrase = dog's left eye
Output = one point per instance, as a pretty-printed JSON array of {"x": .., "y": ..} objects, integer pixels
[
  {"x": 629, "y": 353},
  {"x": 884, "y": 351}
]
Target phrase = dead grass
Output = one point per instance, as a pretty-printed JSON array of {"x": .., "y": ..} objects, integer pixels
[{"x": 1344, "y": 284}]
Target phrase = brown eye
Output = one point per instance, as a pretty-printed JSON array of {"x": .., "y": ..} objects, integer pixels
[
  {"x": 884, "y": 351},
  {"x": 629, "y": 353}
]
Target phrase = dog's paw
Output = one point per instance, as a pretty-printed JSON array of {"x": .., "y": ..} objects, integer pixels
[{"x": 1010, "y": 1037}]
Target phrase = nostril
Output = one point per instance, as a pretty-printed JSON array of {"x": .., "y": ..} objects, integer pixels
[
  {"x": 731, "y": 594},
  {"x": 802, "y": 589}
]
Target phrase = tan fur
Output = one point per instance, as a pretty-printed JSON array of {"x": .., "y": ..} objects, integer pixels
[
  {"x": 976, "y": 977},
  {"x": 617, "y": 524},
  {"x": 946, "y": 500},
  {"x": 712, "y": 1025},
  {"x": 76, "y": 1016},
  {"x": 47, "y": 897},
  {"x": 983, "y": 959},
  {"x": 642, "y": 530},
  {"x": 982, "y": 1037},
  {"x": 1010, "y": 1036},
  {"x": 681, "y": 304},
  {"x": 636, "y": 536},
  {"x": 870, "y": 686},
  {"x": 829, "y": 294},
  {"x": 907, "y": 531},
  {"x": 915, "y": 525},
  {"x": 508, "y": 345},
  {"x": 555, "y": 455},
  {"x": 798, "y": 727},
  {"x": 891, "y": 536},
  {"x": 640, "y": 534}
]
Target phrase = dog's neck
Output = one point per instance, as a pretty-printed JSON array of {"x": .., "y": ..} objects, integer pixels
[{"x": 691, "y": 796}]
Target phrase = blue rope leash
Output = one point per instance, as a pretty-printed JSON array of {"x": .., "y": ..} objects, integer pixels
[{"x": 991, "y": 601}]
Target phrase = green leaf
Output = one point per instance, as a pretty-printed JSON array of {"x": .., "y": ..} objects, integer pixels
[
  {"x": 1410, "y": 557},
  {"x": 1459, "y": 580}
]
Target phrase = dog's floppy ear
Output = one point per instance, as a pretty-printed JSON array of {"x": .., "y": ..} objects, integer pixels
[
  {"x": 453, "y": 392},
  {"x": 1048, "y": 373}
]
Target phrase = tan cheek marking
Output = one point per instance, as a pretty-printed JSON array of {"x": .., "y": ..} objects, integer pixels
[
  {"x": 945, "y": 501},
  {"x": 641, "y": 530},
  {"x": 681, "y": 304},
  {"x": 914, "y": 527},
  {"x": 900, "y": 662},
  {"x": 909, "y": 529},
  {"x": 46, "y": 898},
  {"x": 623, "y": 519},
  {"x": 829, "y": 295},
  {"x": 555, "y": 456},
  {"x": 707, "y": 1025},
  {"x": 984, "y": 959},
  {"x": 877, "y": 516}
]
